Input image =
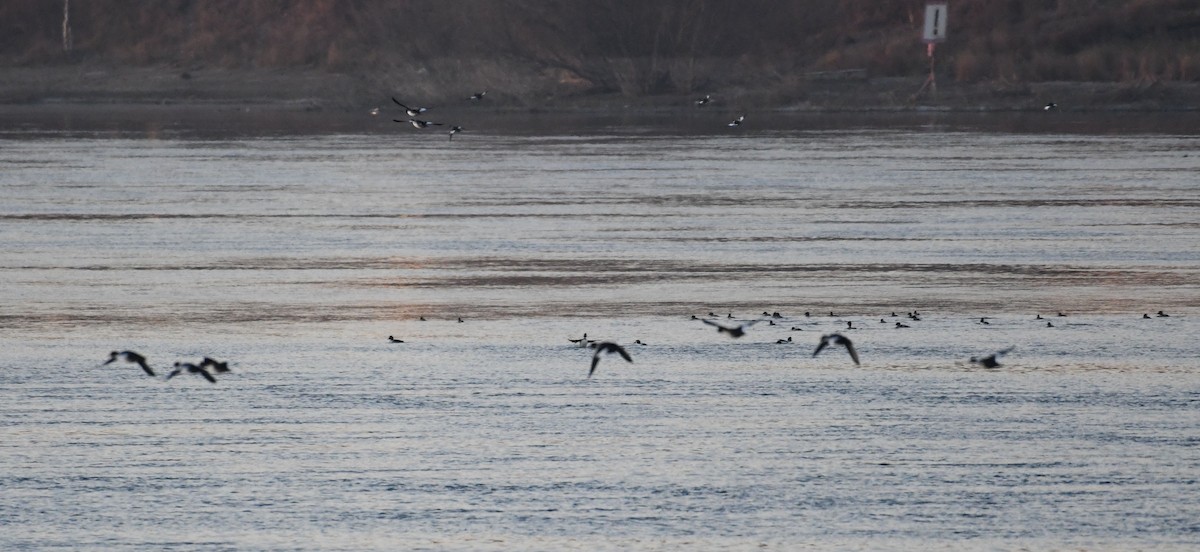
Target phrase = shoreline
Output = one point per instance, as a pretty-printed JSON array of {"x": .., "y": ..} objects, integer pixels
[{"x": 315, "y": 90}]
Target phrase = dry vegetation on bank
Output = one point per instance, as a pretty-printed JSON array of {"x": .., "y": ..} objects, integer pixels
[{"x": 529, "y": 51}]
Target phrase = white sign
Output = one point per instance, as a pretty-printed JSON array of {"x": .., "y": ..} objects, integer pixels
[{"x": 935, "y": 22}]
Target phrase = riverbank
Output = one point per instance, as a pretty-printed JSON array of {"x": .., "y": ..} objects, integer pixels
[{"x": 316, "y": 90}]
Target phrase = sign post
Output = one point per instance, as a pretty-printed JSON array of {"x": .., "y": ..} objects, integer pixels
[{"x": 935, "y": 32}]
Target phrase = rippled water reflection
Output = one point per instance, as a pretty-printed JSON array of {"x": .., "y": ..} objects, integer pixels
[{"x": 296, "y": 256}]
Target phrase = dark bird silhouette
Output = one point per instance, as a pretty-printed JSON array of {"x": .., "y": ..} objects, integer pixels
[
  {"x": 422, "y": 319},
  {"x": 394, "y": 340},
  {"x": 1050, "y": 106},
  {"x": 477, "y": 96},
  {"x": 460, "y": 320},
  {"x": 1038, "y": 317},
  {"x": 703, "y": 101},
  {"x": 1049, "y": 324},
  {"x": 796, "y": 329},
  {"x": 223, "y": 367},
  {"x": 737, "y": 122},
  {"x": 1147, "y": 316},
  {"x": 990, "y": 360},
  {"x": 733, "y": 331},
  {"x": 782, "y": 341},
  {"x": 607, "y": 347},
  {"x": 984, "y": 321},
  {"x": 411, "y": 111},
  {"x": 1162, "y": 314},
  {"x": 838, "y": 339},
  {"x": 190, "y": 368},
  {"x": 850, "y": 325},
  {"x": 130, "y": 356},
  {"x": 902, "y": 325},
  {"x": 638, "y": 342},
  {"x": 455, "y": 130},
  {"x": 1061, "y": 314}
]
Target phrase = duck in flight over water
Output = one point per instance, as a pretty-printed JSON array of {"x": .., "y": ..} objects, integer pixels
[
  {"x": 990, "y": 360},
  {"x": 223, "y": 367},
  {"x": 607, "y": 347},
  {"x": 190, "y": 368},
  {"x": 700, "y": 103},
  {"x": 411, "y": 111},
  {"x": 130, "y": 356},
  {"x": 733, "y": 331},
  {"x": 737, "y": 122},
  {"x": 455, "y": 130},
  {"x": 477, "y": 96},
  {"x": 838, "y": 339},
  {"x": 417, "y": 123}
]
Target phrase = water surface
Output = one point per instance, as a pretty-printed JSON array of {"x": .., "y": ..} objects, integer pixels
[{"x": 296, "y": 255}]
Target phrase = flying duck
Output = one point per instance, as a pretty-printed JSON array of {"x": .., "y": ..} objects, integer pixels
[
  {"x": 455, "y": 130},
  {"x": 737, "y": 122},
  {"x": 607, "y": 347},
  {"x": 733, "y": 331},
  {"x": 838, "y": 339},
  {"x": 990, "y": 360},
  {"x": 130, "y": 356},
  {"x": 702, "y": 101},
  {"x": 417, "y": 123},
  {"x": 411, "y": 111},
  {"x": 223, "y": 367},
  {"x": 181, "y": 367}
]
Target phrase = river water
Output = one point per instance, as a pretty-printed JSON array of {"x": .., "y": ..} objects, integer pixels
[{"x": 294, "y": 255}]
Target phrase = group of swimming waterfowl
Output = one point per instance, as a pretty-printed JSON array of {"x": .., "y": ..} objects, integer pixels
[{"x": 201, "y": 369}]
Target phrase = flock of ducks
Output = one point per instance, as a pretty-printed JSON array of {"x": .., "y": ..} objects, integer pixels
[
  {"x": 421, "y": 124},
  {"x": 413, "y": 111},
  {"x": 601, "y": 348},
  {"x": 735, "y": 331},
  {"x": 202, "y": 369}
]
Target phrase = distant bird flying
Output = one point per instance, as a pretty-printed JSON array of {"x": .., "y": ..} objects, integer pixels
[
  {"x": 223, "y": 367},
  {"x": 455, "y": 130},
  {"x": 411, "y": 111},
  {"x": 190, "y": 368},
  {"x": 733, "y": 331},
  {"x": 737, "y": 122},
  {"x": 417, "y": 123},
  {"x": 477, "y": 96},
  {"x": 607, "y": 347},
  {"x": 130, "y": 356},
  {"x": 990, "y": 360},
  {"x": 838, "y": 339},
  {"x": 702, "y": 101}
]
